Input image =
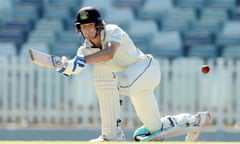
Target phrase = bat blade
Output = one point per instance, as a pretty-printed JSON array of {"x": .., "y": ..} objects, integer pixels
[{"x": 44, "y": 59}]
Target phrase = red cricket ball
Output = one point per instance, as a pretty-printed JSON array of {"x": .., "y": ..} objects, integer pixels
[{"x": 205, "y": 69}]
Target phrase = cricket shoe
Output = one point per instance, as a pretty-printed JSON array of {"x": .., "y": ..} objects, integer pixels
[
  {"x": 103, "y": 138},
  {"x": 168, "y": 127},
  {"x": 202, "y": 118},
  {"x": 143, "y": 135}
]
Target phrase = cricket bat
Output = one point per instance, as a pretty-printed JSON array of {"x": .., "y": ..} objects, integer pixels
[{"x": 44, "y": 59}]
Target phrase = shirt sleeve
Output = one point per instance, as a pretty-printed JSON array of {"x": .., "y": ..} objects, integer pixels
[{"x": 115, "y": 35}]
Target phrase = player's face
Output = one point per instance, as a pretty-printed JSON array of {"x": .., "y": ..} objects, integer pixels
[{"x": 88, "y": 30}]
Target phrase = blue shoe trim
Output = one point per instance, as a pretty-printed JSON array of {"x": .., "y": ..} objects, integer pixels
[{"x": 156, "y": 133}]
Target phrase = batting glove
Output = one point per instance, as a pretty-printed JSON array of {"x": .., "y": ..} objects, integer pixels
[
  {"x": 64, "y": 61},
  {"x": 78, "y": 61}
]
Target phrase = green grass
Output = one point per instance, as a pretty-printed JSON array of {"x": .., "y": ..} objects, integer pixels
[{"x": 78, "y": 142}]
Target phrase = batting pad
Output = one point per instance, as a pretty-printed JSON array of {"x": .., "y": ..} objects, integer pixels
[
  {"x": 183, "y": 124},
  {"x": 106, "y": 88}
]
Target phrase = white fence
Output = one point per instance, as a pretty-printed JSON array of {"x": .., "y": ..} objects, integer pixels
[{"x": 34, "y": 95}]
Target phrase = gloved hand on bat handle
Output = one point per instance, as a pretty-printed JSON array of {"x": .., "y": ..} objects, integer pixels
[
  {"x": 79, "y": 61},
  {"x": 73, "y": 66}
]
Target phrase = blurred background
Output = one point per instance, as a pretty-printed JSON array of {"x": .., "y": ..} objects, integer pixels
[{"x": 38, "y": 104}]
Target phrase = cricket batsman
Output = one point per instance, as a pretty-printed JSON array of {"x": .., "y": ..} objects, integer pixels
[{"x": 121, "y": 68}]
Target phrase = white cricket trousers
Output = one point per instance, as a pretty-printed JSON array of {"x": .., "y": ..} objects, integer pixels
[{"x": 141, "y": 91}]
